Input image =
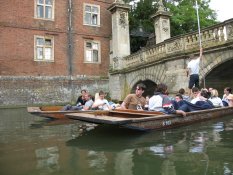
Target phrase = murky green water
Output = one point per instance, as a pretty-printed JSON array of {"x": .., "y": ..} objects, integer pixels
[{"x": 31, "y": 145}]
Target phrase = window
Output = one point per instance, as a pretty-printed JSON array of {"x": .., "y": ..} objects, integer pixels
[
  {"x": 92, "y": 52},
  {"x": 43, "y": 49},
  {"x": 44, "y": 9},
  {"x": 91, "y": 15}
]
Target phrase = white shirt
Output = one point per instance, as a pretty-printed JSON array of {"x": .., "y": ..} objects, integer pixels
[
  {"x": 193, "y": 66},
  {"x": 199, "y": 98},
  {"x": 155, "y": 103},
  {"x": 217, "y": 102},
  {"x": 102, "y": 104},
  {"x": 224, "y": 98}
]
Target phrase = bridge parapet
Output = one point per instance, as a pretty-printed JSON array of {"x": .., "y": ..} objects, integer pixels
[{"x": 213, "y": 36}]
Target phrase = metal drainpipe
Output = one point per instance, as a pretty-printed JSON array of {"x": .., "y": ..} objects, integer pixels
[
  {"x": 70, "y": 41},
  {"x": 70, "y": 51}
]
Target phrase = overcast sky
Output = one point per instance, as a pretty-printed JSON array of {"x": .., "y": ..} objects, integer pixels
[{"x": 224, "y": 9}]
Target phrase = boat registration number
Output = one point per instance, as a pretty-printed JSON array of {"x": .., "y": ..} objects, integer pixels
[{"x": 167, "y": 123}]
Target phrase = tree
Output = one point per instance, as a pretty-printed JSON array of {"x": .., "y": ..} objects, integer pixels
[
  {"x": 139, "y": 17},
  {"x": 183, "y": 18}
]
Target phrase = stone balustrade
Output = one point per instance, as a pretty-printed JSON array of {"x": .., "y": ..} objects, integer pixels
[{"x": 213, "y": 36}]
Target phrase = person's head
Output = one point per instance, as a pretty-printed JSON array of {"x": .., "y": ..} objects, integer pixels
[
  {"x": 87, "y": 96},
  {"x": 140, "y": 89},
  {"x": 230, "y": 100},
  {"x": 178, "y": 97},
  {"x": 205, "y": 93},
  {"x": 210, "y": 89},
  {"x": 182, "y": 91},
  {"x": 101, "y": 95},
  {"x": 83, "y": 92},
  {"x": 195, "y": 92},
  {"x": 162, "y": 88},
  {"x": 214, "y": 93},
  {"x": 227, "y": 90}
]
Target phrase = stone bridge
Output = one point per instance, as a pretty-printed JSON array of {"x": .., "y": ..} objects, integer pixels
[{"x": 166, "y": 62}]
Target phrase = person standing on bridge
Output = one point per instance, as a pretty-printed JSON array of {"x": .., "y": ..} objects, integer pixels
[{"x": 193, "y": 71}]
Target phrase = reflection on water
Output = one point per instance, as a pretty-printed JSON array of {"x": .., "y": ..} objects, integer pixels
[
  {"x": 47, "y": 158},
  {"x": 34, "y": 145}
]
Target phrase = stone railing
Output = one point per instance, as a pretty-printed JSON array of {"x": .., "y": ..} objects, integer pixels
[{"x": 213, "y": 36}]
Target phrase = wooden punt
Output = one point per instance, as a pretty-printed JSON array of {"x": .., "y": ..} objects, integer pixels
[
  {"x": 144, "y": 120},
  {"x": 53, "y": 112}
]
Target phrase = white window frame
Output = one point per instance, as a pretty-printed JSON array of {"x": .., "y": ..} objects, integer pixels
[
  {"x": 43, "y": 48},
  {"x": 91, "y": 14},
  {"x": 91, "y": 51},
  {"x": 44, "y": 5}
]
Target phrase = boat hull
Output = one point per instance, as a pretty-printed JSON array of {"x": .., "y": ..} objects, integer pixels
[
  {"x": 151, "y": 121},
  {"x": 52, "y": 112}
]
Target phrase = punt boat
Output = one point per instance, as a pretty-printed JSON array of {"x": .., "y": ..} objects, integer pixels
[
  {"x": 146, "y": 120},
  {"x": 52, "y": 112}
]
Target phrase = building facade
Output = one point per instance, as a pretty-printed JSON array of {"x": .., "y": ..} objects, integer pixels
[
  {"x": 55, "y": 37},
  {"x": 51, "y": 49}
]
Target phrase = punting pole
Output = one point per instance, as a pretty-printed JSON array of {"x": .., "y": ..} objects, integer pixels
[{"x": 199, "y": 32}]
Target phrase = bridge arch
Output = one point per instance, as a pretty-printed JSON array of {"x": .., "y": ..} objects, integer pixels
[
  {"x": 155, "y": 73},
  {"x": 218, "y": 70},
  {"x": 150, "y": 87}
]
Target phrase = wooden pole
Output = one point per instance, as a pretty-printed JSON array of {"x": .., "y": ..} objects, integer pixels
[{"x": 200, "y": 44}]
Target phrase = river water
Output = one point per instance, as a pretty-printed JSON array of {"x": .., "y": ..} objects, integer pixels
[{"x": 31, "y": 145}]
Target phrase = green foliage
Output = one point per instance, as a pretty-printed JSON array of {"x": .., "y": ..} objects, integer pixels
[
  {"x": 184, "y": 17},
  {"x": 183, "y": 20}
]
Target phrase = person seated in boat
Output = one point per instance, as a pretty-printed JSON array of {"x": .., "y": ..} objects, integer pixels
[
  {"x": 230, "y": 100},
  {"x": 146, "y": 107},
  {"x": 195, "y": 95},
  {"x": 81, "y": 99},
  {"x": 210, "y": 89},
  {"x": 179, "y": 97},
  {"x": 88, "y": 102},
  {"x": 135, "y": 101},
  {"x": 184, "y": 97},
  {"x": 201, "y": 104},
  {"x": 217, "y": 102},
  {"x": 227, "y": 91},
  {"x": 101, "y": 103},
  {"x": 87, "y": 105},
  {"x": 177, "y": 100},
  {"x": 162, "y": 103}
]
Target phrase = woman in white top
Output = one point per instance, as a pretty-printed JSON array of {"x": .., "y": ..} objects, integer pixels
[
  {"x": 230, "y": 100},
  {"x": 227, "y": 91},
  {"x": 217, "y": 102}
]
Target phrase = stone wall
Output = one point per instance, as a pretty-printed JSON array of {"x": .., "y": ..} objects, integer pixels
[{"x": 24, "y": 90}]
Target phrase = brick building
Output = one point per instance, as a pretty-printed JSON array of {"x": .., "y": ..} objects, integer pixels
[
  {"x": 55, "y": 37},
  {"x": 51, "y": 49}
]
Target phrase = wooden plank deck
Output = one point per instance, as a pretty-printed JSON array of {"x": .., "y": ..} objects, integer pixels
[{"x": 99, "y": 119}]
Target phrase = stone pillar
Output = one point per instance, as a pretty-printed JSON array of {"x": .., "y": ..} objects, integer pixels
[
  {"x": 161, "y": 23},
  {"x": 120, "y": 32}
]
